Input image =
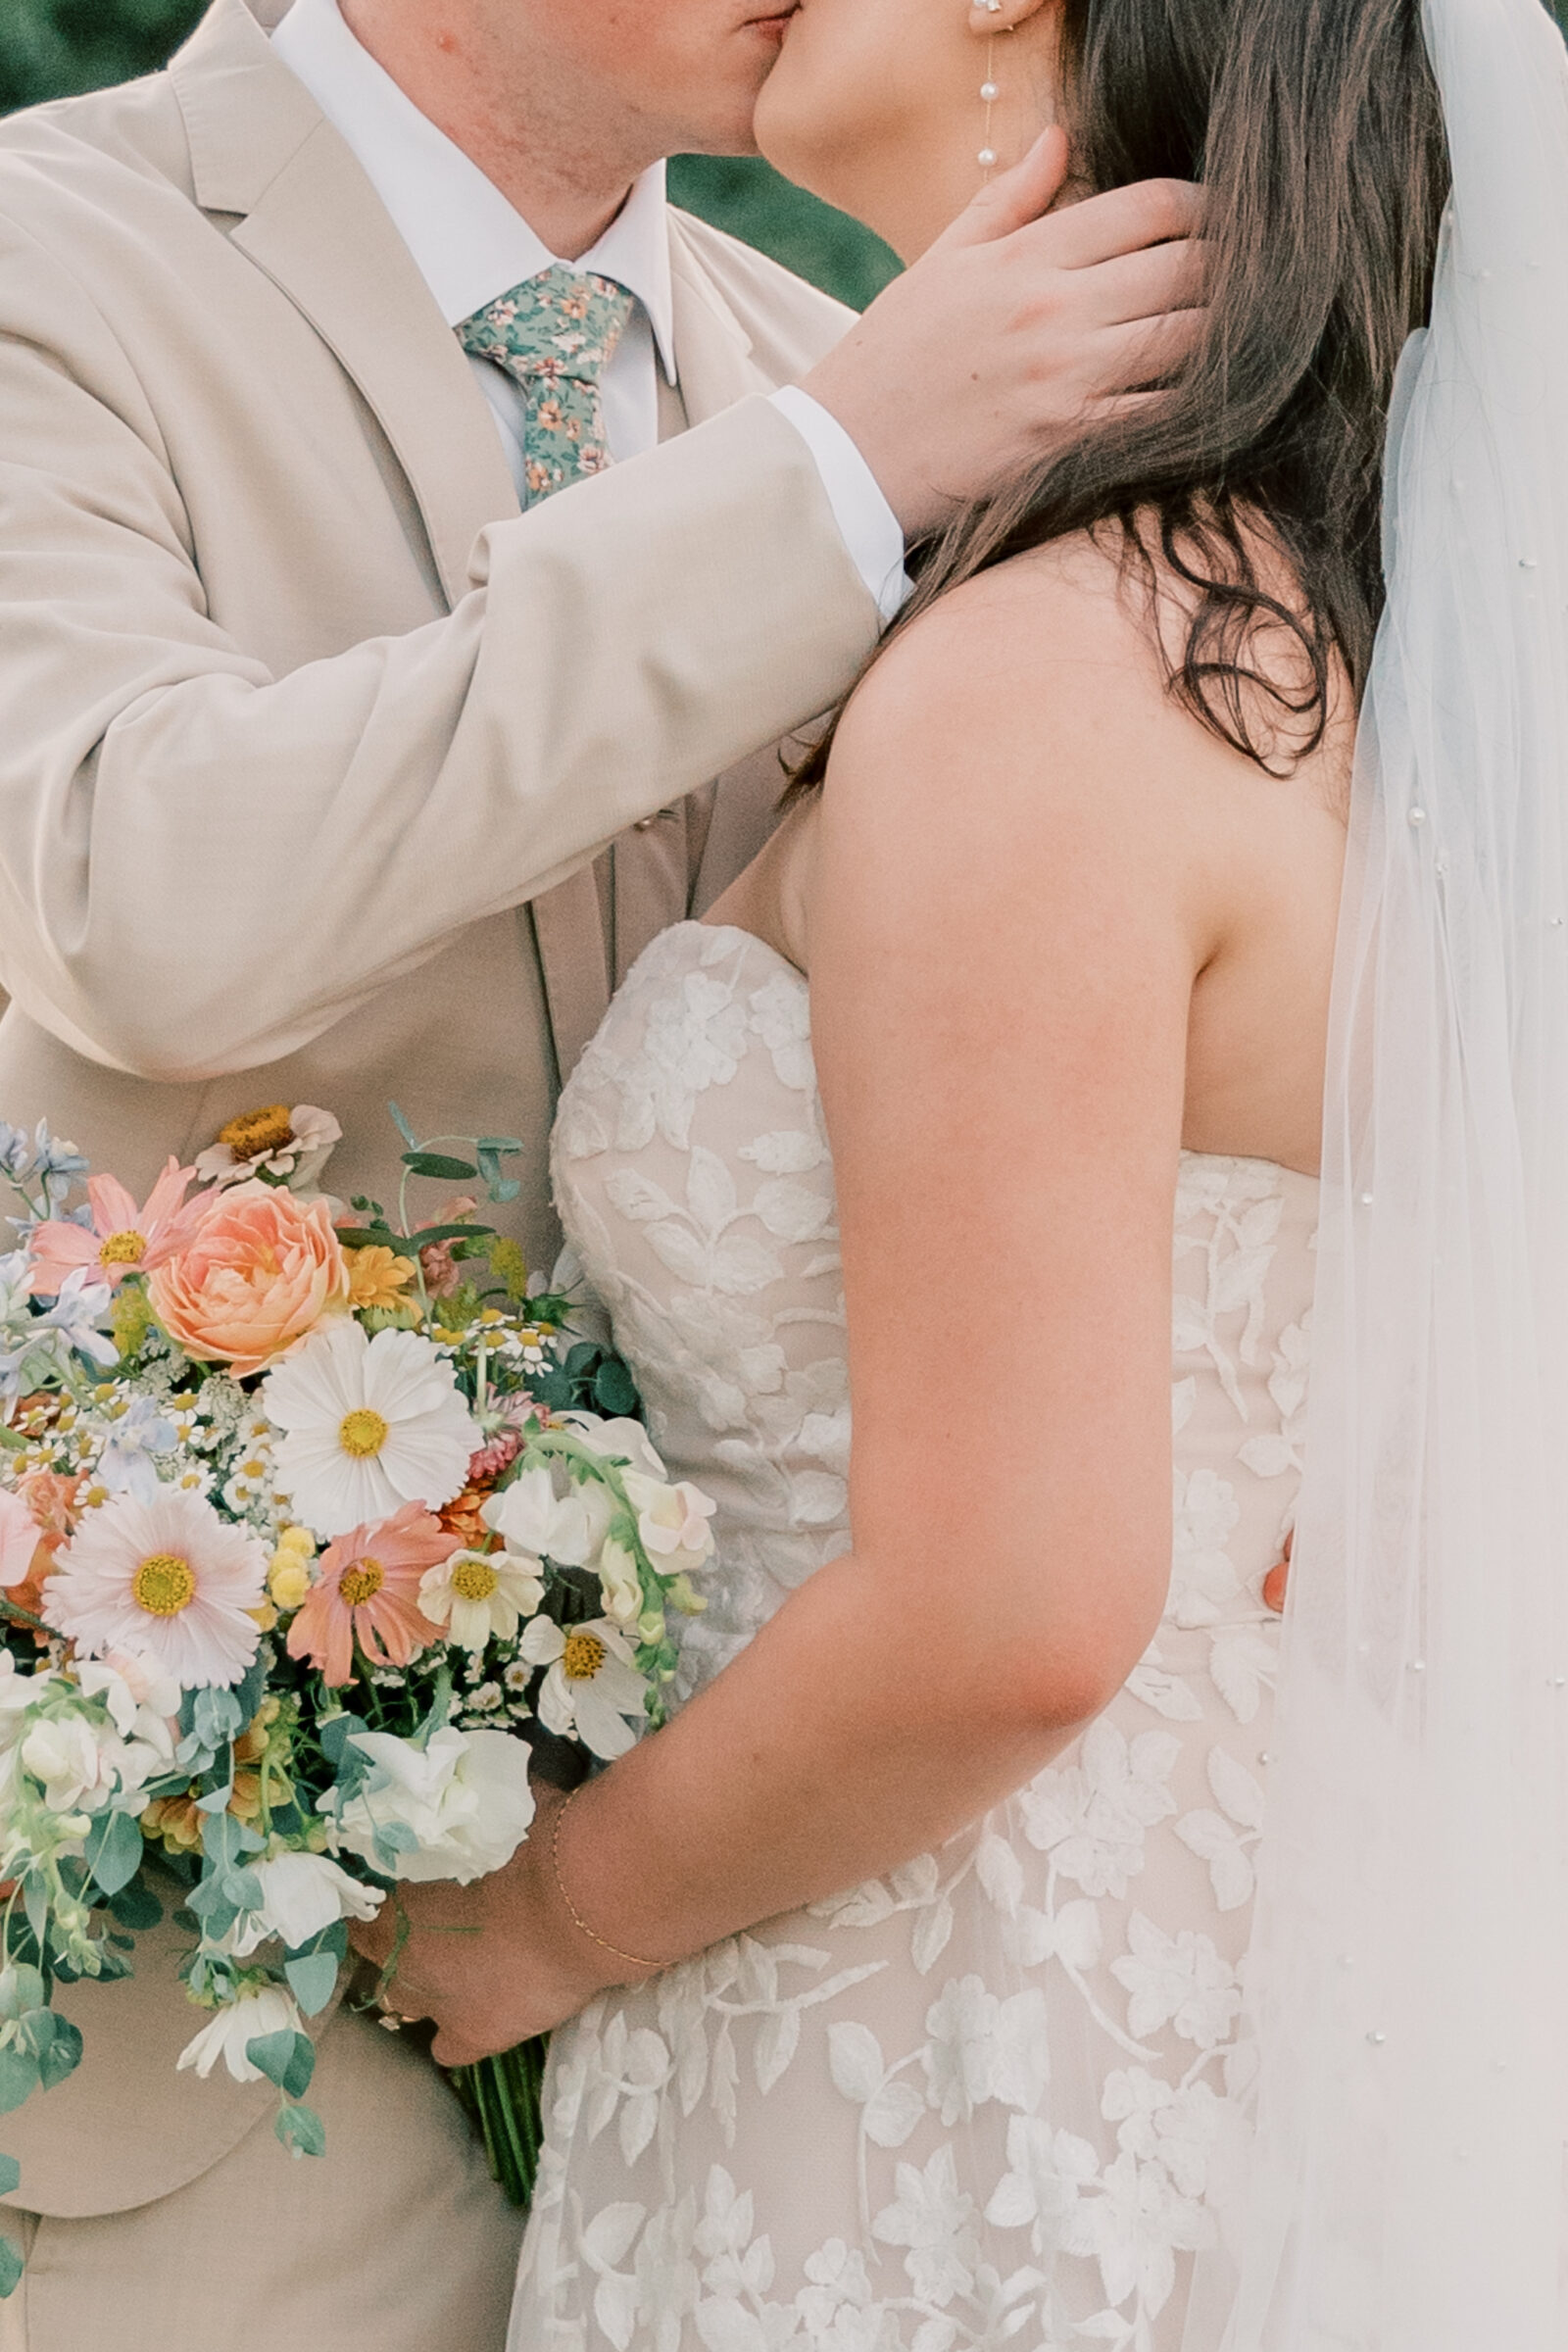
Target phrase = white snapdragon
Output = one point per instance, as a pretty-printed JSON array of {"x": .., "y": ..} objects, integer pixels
[
  {"x": 672, "y": 1521},
  {"x": 260, "y": 2009},
  {"x": 463, "y": 1796},
  {"x": 301, "y": 1895}
]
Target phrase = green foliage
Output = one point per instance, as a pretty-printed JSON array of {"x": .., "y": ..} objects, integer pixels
[
  {"x": 51, "y": 48},
  {"x": 742, "y": 194}
]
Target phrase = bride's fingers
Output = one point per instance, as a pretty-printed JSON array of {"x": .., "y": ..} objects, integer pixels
[{"x": 1015, "y": 197}]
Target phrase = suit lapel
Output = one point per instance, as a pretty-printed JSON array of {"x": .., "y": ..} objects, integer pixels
[
  {"x": 713, "y": 349},
  {"x": 311, "y": 219}
]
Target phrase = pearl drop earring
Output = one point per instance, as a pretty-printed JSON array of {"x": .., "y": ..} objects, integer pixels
[{"x": 990, "y": 92}]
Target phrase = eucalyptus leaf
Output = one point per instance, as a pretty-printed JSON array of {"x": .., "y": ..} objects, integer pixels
[
  {"x": 403, "y": 1127},
  {"x": 63, "y": 2056},
  {"x": 287, "y": 2059},
  {"x": 312, "y": 1981},
  {"x": 11, "y": 2264},
  {"x": 9, "y": 2176},
  {"x": 18, "y": 2079},
  {"x": 137, "y": 1907},
  {"x": 504, "y": 1146},
  {"x": 114, "y": 1850},
  {"x": 438, "y": 1163},
  {"x": 302, "y": 2131}
]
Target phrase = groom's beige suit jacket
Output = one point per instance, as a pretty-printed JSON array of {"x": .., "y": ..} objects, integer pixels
[{"x": 306, "y": 739}]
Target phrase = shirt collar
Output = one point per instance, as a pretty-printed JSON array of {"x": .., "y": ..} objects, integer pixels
[{"x": 469, "y": 243}]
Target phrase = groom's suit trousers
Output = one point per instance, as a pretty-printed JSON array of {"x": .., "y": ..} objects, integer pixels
[{"x": 328, "y": 777}]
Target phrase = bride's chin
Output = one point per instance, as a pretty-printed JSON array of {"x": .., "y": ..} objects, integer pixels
[{"x": 792, "y": 134}]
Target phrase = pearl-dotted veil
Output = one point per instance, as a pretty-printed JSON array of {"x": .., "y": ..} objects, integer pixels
[{"x": 1409, "y": 1976}]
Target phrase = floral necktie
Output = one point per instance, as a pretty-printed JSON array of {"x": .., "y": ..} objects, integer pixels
[{"x": 554, "y": 335}]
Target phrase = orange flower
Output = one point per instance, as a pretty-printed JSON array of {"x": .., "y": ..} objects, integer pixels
[
  {"x": 367, "y": 1592},
  {"x": 464, "y": 1519},
  {"x": 261, "y": 1269}
]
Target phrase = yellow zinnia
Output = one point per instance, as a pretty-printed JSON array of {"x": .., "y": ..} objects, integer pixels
[{"x": 377, "y": 1278}]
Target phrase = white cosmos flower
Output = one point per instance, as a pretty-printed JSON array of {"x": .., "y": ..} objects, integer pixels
[
  {"x": 481, "y": 1596},
  {"x": 531, "y": 1517},
  {"x": 593, "y": 1684},
  {"x": 368, "y": 1425},
  {"x": 260, "y": 2009},
  {"x": 464, "y": 1794},
  {"x": 301, "y": 1895}
]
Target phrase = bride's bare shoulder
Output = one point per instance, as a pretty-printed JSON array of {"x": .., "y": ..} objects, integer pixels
[{"x": 1061, "y": 661}]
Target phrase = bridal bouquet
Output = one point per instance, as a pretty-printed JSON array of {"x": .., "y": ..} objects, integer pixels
[{"x": 312, "y": 1520}]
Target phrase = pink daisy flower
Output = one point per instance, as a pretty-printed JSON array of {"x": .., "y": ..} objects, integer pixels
[
  {"x": 167, "y": 1580},
  {"x": 123, "y": 1240},
  {"x": 367, "y": 1592}
]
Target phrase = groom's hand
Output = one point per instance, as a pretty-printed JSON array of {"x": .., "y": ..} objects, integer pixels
[{"x": 1014, "y": 329}]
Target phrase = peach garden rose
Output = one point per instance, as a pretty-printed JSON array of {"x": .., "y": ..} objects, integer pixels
[{"x": 261, "y": 1269}]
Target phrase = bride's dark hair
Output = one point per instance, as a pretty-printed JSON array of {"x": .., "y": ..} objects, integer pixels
[{"x": 1317, "y": 131}]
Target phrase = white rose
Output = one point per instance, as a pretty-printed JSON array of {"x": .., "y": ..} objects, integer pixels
[
  {"x": 265, "y": 2009},
  {"x": 301, "y": 1895},
  {"x": 465, "y": 1796},
  {"x": 672, "y": 1521}
]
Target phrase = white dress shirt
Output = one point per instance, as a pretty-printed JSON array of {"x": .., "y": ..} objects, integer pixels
[{"x": 472, "y": 245}]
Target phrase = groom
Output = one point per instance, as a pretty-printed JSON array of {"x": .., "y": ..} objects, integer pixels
[{"x": 315, "y": 707}]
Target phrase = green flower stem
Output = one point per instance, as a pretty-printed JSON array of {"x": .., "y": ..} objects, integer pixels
[{"x": 504, "y": 2099}]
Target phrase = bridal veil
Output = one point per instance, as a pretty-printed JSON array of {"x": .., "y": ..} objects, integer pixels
[{"x": 1411, "y": 1968}]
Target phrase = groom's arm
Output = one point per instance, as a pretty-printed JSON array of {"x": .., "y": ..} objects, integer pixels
[{"x": 203, "y": 865}]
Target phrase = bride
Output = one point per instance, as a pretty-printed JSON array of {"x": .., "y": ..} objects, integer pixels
[{"x": 905, "y": 1968}]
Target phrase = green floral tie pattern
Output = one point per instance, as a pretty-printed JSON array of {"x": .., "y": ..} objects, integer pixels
[{"x": 554, "y": 335}]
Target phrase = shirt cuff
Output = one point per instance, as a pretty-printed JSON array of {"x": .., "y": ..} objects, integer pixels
[{"x": 869, "y": 524}]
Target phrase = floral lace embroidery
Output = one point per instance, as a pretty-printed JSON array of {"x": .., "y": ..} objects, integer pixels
[{"x": 994, "y": 2097}]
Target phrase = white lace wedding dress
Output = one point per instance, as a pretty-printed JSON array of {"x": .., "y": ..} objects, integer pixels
[{"x": 994, "y": 2097}]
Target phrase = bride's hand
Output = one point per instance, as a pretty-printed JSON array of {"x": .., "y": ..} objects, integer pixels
[{"x": 492, "y": 1964}]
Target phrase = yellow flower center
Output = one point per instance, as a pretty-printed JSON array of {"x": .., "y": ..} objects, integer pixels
[
  {"x": 474, "y": 1580},
  {"x": 258, "y": 1131},
  {"x": 582, "y": 1656},
  {"x": 126, "y": 1248},
  {"x": 164, "y": 1584},
  {"x": 362, "y": 1581},
  {"x": 363, "y": 1433}
]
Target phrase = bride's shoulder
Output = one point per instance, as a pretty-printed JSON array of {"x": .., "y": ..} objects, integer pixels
[{"x": 1050, "y": 665}]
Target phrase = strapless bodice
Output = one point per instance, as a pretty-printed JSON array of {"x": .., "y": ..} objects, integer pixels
[{"x": 694, "y": 1180}]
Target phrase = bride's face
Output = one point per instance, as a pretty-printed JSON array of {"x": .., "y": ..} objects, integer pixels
[{"x": 878, "y": 105}]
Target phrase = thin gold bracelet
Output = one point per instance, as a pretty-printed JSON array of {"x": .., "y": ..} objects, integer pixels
[{"x": 577, "y": 1919}]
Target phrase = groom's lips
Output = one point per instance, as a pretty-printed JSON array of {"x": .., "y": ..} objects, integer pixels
[{"x": 773, "y": 27}]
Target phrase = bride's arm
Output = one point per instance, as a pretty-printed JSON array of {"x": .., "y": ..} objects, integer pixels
[{"x": 1003, "y": 938}]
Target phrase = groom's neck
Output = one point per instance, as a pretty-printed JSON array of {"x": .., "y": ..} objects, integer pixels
[{"x": 561, "y": 156}]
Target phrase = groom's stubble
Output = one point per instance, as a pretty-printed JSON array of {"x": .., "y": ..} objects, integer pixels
[{"x": 561, "y": 103}]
